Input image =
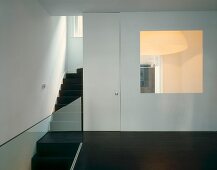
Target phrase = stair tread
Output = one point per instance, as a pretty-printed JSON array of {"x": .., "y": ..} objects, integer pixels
[{"x": 51, "y": 163}]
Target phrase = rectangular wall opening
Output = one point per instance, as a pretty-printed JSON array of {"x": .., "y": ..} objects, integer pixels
[{"x": 171, "y": 61}]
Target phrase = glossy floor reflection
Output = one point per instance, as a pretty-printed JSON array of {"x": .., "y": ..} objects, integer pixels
[{"x": 148, "y": 151}]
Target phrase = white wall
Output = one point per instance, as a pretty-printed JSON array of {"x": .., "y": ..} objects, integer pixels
[
  {"x": 74, "y": 48},
  {"x": 167, "y": 112},
  {"x": 32, "y": 52}
]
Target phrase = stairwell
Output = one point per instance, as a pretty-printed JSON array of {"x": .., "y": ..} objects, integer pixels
[{"x": 57, "y": 149}]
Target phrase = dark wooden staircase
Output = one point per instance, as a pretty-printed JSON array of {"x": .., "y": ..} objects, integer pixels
[
  {"x": 56, "y": 151},
  {"x": 71, "y": 89}
]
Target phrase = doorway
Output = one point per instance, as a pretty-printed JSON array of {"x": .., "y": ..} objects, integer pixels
[{"x": 101, "y": 72}]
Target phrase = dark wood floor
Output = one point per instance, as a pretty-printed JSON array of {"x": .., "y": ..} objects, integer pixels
[{"x": 148, "y": 151}]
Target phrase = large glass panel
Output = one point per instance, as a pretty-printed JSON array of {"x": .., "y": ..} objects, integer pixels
[
  {"x": 171, "y": 61},
  {"x": 17, "y": 153},
  {"x": 21, "y": 148}
]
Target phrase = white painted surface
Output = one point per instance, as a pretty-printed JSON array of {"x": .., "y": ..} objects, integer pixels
[
  {"x": 75, "y": 7},
  {"x": 101, "y": 72},
  {"x": 32, "y": 53},
  {"x": 74, "y": 48},
  {"x": 167, "y": 112}
]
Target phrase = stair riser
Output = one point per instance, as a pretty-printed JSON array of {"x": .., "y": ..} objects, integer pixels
[
  {"x": 43, "y": 163},
  {"x": 72, "y": 81},
  {"x": 57, "y": 149},
  {"x": 71, "y": 87},
  {"x": 66, "y": 100},
  {"x": 73, "y": 75},
  {"x": 73, "y": 109},
  {"x": 59, "y": 106},
  {"x": 70, "y": 93},
  {"x": 80, "y": 72}
]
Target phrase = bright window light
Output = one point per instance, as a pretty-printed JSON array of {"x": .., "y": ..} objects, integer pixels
[{"x": 78, "y": 26}]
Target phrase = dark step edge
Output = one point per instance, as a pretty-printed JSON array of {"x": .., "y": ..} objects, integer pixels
[
  {"x": 71, "y": 97},
  {"x": 73, "y": 75},
  {"x": 59, "y": 106}
]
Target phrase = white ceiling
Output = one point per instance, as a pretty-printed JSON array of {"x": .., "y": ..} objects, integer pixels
[{"x": 75, "y": 7}]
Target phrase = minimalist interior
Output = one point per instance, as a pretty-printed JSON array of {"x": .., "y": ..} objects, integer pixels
[{"x": 108, "y": 85}]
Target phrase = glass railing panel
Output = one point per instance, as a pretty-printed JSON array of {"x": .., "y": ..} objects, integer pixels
[
  {"x": 68, "y": 118},
  {"x": 17, "y": 153}
]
